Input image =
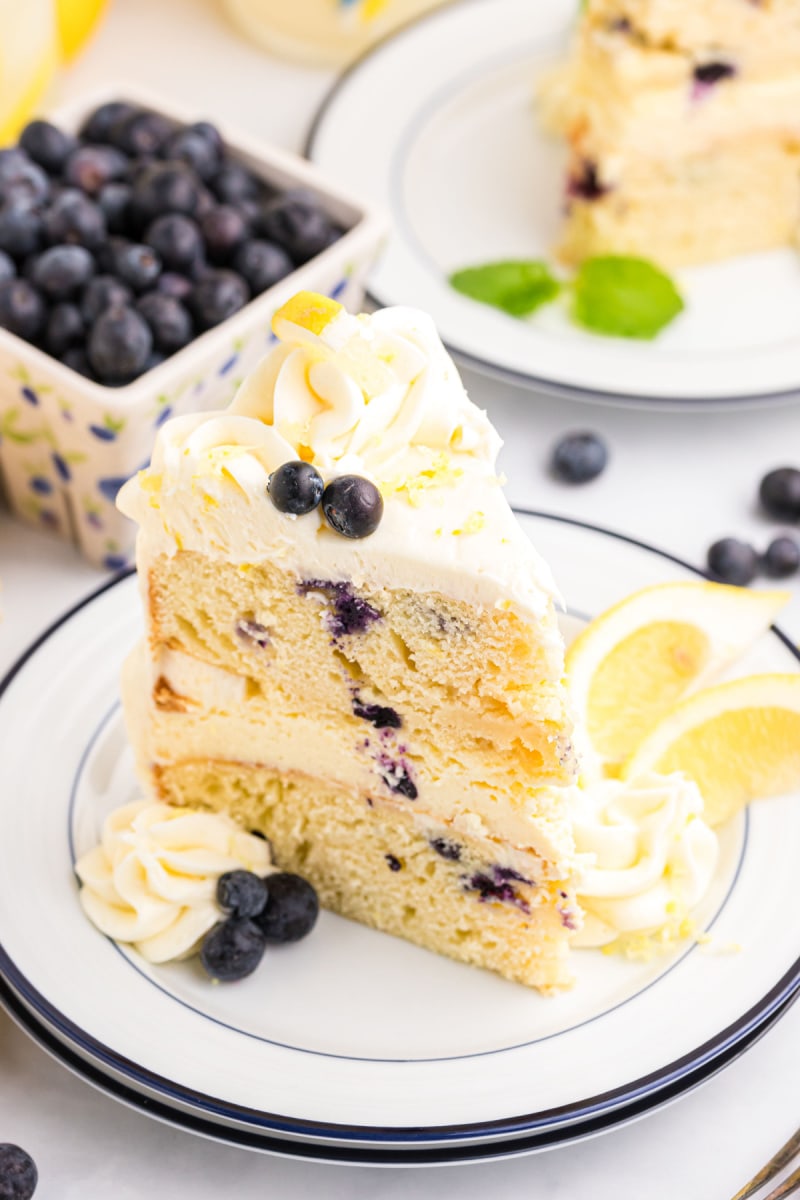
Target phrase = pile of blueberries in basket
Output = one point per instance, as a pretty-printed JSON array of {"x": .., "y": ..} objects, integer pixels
[{"x": 120, "y": 245}]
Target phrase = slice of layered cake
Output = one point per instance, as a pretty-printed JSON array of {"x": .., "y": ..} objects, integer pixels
[
  {"x": 683, "y": 124},
  {"x": 352, "y": 647}
]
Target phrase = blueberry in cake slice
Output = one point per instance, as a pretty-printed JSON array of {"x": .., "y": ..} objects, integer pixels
[
  {"x": 352, "y": 647},
  {"x": 681, "y": 118}
]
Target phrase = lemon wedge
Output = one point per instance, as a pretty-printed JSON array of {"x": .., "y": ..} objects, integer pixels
[
  {"x": 739, "y": 741},
  {"x": 636, "y": 661}
]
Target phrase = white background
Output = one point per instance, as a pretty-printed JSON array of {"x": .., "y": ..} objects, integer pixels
[{"x": 678, "y": 481}]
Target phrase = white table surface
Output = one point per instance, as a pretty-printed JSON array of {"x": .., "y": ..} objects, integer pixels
[{"x": 676, "y": 481}]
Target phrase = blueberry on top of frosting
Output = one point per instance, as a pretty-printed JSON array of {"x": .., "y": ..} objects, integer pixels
[
  {"x": 295, "y": 488},
  {"x": 352, "y": 505}
]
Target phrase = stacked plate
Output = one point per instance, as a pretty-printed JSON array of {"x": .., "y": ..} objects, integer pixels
[{"x": 353, "y": 1046}]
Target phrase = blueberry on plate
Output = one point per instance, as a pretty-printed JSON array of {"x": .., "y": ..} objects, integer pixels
[
  {"x": 47, "y": 145},
  {"x": 353, "y": 506},
  {"x": 102, "y": 292},
  {"x": 77, "y": 359},
  {"x": 141, "y": 134},
  {"x": 579, "y": 457},
  {"x": 291, "y": 910},
  {"x": 174, "y": 284},
  {"x": 62, "y": 270},
  {"x": 22, "y": 178},
  {"x": 781, "y": 557},
  {"x": 22, "y": 309},
  {"x": 73, "y": 217},
  {"x": 210, "y": 132},
  {"x": 779, "y": 493},
  {"x": 262, "y": 264},
  {"x": 170, "y": 323},
  {"x": 233, "y": 949},
  {"x": 65, "y": 328},
  {"x": 119, "y": 345},
  {"x": 177, "y": 241},
  {"x": 137, "y": 265},
  {"x": 732, "y": 561},
  {"x": 217, "y": 296},
  {"x": 18, "y": 1173},
  {"x": 224, "y": 229},
  {"x": 241, "y": 893},
  {"x": 295, "y": 487},
  {"x": 21, "y": 231},
  {"x": 296, "y": 221},
  {"x": 91, "y": 167}
]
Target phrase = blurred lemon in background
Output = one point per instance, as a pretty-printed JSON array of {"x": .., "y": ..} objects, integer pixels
[{"x": 36, "y": 36}]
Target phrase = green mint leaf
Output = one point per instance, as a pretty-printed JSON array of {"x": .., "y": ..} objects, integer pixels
[
  {"x": 624, "y": 297},
  {"x": 516, "y": 287}
]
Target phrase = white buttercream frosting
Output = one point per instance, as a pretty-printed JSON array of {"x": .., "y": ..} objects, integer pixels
[
  {"x": 152, "y": 880},
  {"x": 653, "y": 855},
  {"x": 372, "y": 395}
]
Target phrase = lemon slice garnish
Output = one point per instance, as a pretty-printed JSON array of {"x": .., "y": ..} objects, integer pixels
[
  {"x": 632, "y": 664},
  {"x": 739, "y": 741}
]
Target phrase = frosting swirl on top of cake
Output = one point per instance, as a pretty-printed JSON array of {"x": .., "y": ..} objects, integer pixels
[
  {"x": 653, "y": 855},
  {"x": 376, "y": 396},
  {"x": 152, "y": 880},
  {"x": 363, "y": 393}
]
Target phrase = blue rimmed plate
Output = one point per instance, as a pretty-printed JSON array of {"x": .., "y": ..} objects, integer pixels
[
  {"x": 351, "y": 1038},
  {"x": 438, "y": 124}
]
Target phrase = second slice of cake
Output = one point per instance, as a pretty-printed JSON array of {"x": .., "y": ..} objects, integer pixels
[{"x": 388, "y": 710}]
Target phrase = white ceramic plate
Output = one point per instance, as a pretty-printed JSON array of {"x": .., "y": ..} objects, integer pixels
[
  {"x": 438, "y": 124},
  {"x": 352, "y": 1038}
]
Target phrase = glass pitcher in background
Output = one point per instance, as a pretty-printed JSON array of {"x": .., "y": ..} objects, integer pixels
[{"x": 322, "y": 32}]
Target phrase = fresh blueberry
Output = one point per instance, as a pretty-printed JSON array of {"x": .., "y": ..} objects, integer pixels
[
  {"x": 250, "y": 212},
  {"x": 780, "y": 493},
  {"x": 233, "y": 183},
  {"x": 175, "y": 285},
  {"x": 138, "y": 266},
  {"x": 262, "y": 264},
  {"x": 7, "y": 267},
  {"x": 91, "y": 167},
  {"x": 177, "y": 241},
  {"x": 18, "y": 1174},
  {"x": 60, "y": 271},
  {"x": 102, "y": 292},
  {"x": 21, "y": 231},
  {"x": 141, "y": 134},
  {"x": 114, "y": 201},
  {"x": 47, "y": 145},
  {"x": 119, "y": 344},
  {"x": 579, "y": 457},
  {"x": 196, "y": 150},
  {"x": 23, "y": 179},
  {"x": 210, "y": 132},
  {"x": 65, "y": 327},
  {"x": 732, "y": 561},
  {"x": 296, "y": 222},
  {"x": 295, "y": 487},
  {"x": 233, "y": 949},
  {"x": 170, "y": 323},
  {"x": 77, "y": 359},
  {"x": 73, "y": 217},
  {"x": 22, "y": 309},
  {"x": 781, "y": 557},
  {"x": 224, "y": 229},
  {"x": 353, "y": 506},
  {"x": 98, "y": 125},
  {"x": 164, "y": 187},
  {"x": 291, "y": 910},
  {"x": 154, "y": 359},
  {"x": 241, "y": 894},
  {"x": 217, "y": 296}
]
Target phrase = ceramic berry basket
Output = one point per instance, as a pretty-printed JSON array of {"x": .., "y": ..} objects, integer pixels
[{"x": 67, "y": 444}]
